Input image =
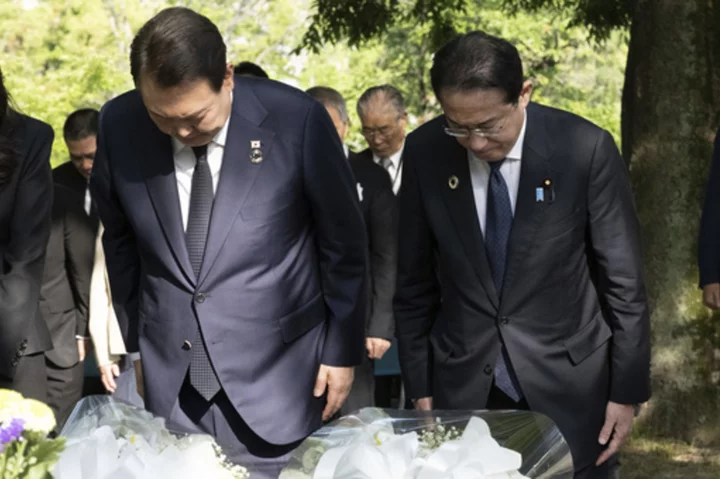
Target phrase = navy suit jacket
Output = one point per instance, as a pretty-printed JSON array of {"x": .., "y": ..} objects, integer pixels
[
  {"x": 709, "y": 245},
  {"x": 283, "y": 285}
]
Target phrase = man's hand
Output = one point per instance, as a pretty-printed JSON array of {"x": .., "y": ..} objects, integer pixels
[
  {"x": 618, "y": 424},
  {"x": 139, "y": 378},
  {"x": 711, "y": 295},
  {"x": 108, "y": 373},
  {"x": 338, "y": 382},
  {"x": 423, "y": 404},
  {"x": 376, "y": 347},
  {"x": 84, "y": 347}
]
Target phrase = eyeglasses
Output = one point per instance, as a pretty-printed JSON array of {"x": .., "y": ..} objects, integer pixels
[
  {"x": 487, "y": 133},
  {"x": 383, "y": 131},
  {"x": 467, "y": 132}
]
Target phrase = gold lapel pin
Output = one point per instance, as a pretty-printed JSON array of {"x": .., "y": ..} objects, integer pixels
[
  {"x": 453, "y": 182},
  {"x": 256, "y": 155}
]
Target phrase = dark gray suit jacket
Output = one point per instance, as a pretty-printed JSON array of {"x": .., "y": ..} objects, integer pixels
[
  {"x": 282, "y": 288},
  {"x": 25, "y": 207},
  {"x": 378, "y": 205},
  {"x": 65, "y": 292},
  {"x": 570, "y": 355}
]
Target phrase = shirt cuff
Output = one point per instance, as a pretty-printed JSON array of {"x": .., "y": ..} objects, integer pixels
[
  {"x": 86, "y": 338},
  {"x": 134, "y": 357}
]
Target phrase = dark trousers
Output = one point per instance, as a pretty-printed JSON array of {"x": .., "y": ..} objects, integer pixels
[
  {"x": 64, "y": 389},
  {"x": 218, "y": 418},
  {"x": 30, "y": 379},
  {"x": 362, "y": 393},
  {"x": 608, "y": 470}
]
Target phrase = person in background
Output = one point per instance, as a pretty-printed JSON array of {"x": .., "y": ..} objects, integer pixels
[
  {"x": 64, "y": 301},
  {"x": 116, "y": 369},
  {"x": 80, "y": 134},
  {"x": 26, "y": 192},
  {"x": 379, "y": 208},
  {"x": 384, "y": 120},
  {"x": 709, "y": 238},
  {"x": 249, "y": 69}
]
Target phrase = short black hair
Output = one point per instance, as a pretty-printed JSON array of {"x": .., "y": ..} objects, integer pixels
[
  {"x": 81, "y": 124},
  {"x": 477, "y": 60},
  {"x": 250, "y": 69},
  {"x": 177, "y": 46},
  {"x": 391, "y": 94},
  {"x": 330, "y": 98}
]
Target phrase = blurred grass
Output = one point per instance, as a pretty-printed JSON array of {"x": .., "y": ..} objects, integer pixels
[{"x": 666, "y": 459}]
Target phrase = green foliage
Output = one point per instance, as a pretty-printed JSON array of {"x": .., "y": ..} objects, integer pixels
[
  {"x": 61, "y": 55},
  {"x": 32, "y": 458},
  {"x": 359, "y": 21}
]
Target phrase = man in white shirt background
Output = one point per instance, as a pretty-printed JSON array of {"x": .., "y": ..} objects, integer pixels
[{"x": 384, "y": 120}]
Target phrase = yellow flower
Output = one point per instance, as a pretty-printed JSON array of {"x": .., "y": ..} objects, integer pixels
[
  {"x": 37, "y": 416},
  {"x": 9, "y": 397}
]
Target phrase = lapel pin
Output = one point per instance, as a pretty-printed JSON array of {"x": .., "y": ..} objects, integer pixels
[
  {"x": 453, "y": 182},
  {"x": 256, "y": 155},
  {"x": 539, "y": 195},
  {"x": 547, "y": 187}
]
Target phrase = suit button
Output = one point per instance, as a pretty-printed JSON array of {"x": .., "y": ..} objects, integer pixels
[
  {"x": 14, "y": 362},
  {"x": 504, "y": 320},
  {"x": 187, "y": 345},
  {"x": 200, "y": 298},
  {"x": 23, "y": 343},
  {"x": 23, "y": 347},
  {"x": 488, "y": 370}
]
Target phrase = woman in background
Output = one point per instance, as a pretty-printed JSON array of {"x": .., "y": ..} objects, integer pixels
[
  {"x": 25, "y": 218},
  {"x": 116, "y": 371}
]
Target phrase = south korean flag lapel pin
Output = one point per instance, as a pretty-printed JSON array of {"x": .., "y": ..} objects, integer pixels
[{"x": 256, "y": 155}]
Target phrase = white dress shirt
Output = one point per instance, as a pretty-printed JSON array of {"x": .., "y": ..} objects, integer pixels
[
  {"x": 395, "y": 169},
  {"x": 510, "y": 170},
  {"x": 185, "y": 166},
  {"x": 88, "y": 200}
]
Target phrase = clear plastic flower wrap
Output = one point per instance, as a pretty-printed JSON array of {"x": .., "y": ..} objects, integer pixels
[
  {"x": 393, "y": 444},
  {"x": 110, "y": 439}
]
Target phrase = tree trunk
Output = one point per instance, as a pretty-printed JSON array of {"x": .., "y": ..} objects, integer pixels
[{"x": 670, "y": 116}]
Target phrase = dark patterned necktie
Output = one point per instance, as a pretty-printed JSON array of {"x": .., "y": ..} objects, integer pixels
[
  {"x": 498, "y": 222},
  {"x": 202, "y": 374}
]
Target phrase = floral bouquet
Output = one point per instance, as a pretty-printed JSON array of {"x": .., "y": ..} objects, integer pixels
[
  {"x": 390, "y": 444},
  {"x": 25, "y": 450},
  {"x": 109, "y": 439}
]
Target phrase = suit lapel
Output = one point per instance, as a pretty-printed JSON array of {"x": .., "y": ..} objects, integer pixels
[
  {"x": 238, "y": 172},
  {"x": 460, "y": 203},
  {"x": 161, "y": 184},
  {"x": 529, "y": 213}
]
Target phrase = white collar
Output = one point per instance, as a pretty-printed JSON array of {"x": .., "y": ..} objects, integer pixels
[
  {"x": 394, "y": 158},
  {"x": 517, "y": 149}
]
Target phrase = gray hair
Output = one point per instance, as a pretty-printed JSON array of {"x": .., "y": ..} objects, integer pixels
[
  {"x": 330, "y": 98},
  {"x": 391, "y": 94}
]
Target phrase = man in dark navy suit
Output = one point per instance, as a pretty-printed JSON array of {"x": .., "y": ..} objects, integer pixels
[
  {"x": 236, "y": 250},
  {"x": 520, "y": 279},
  {"x": 379, "y": 209}
]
